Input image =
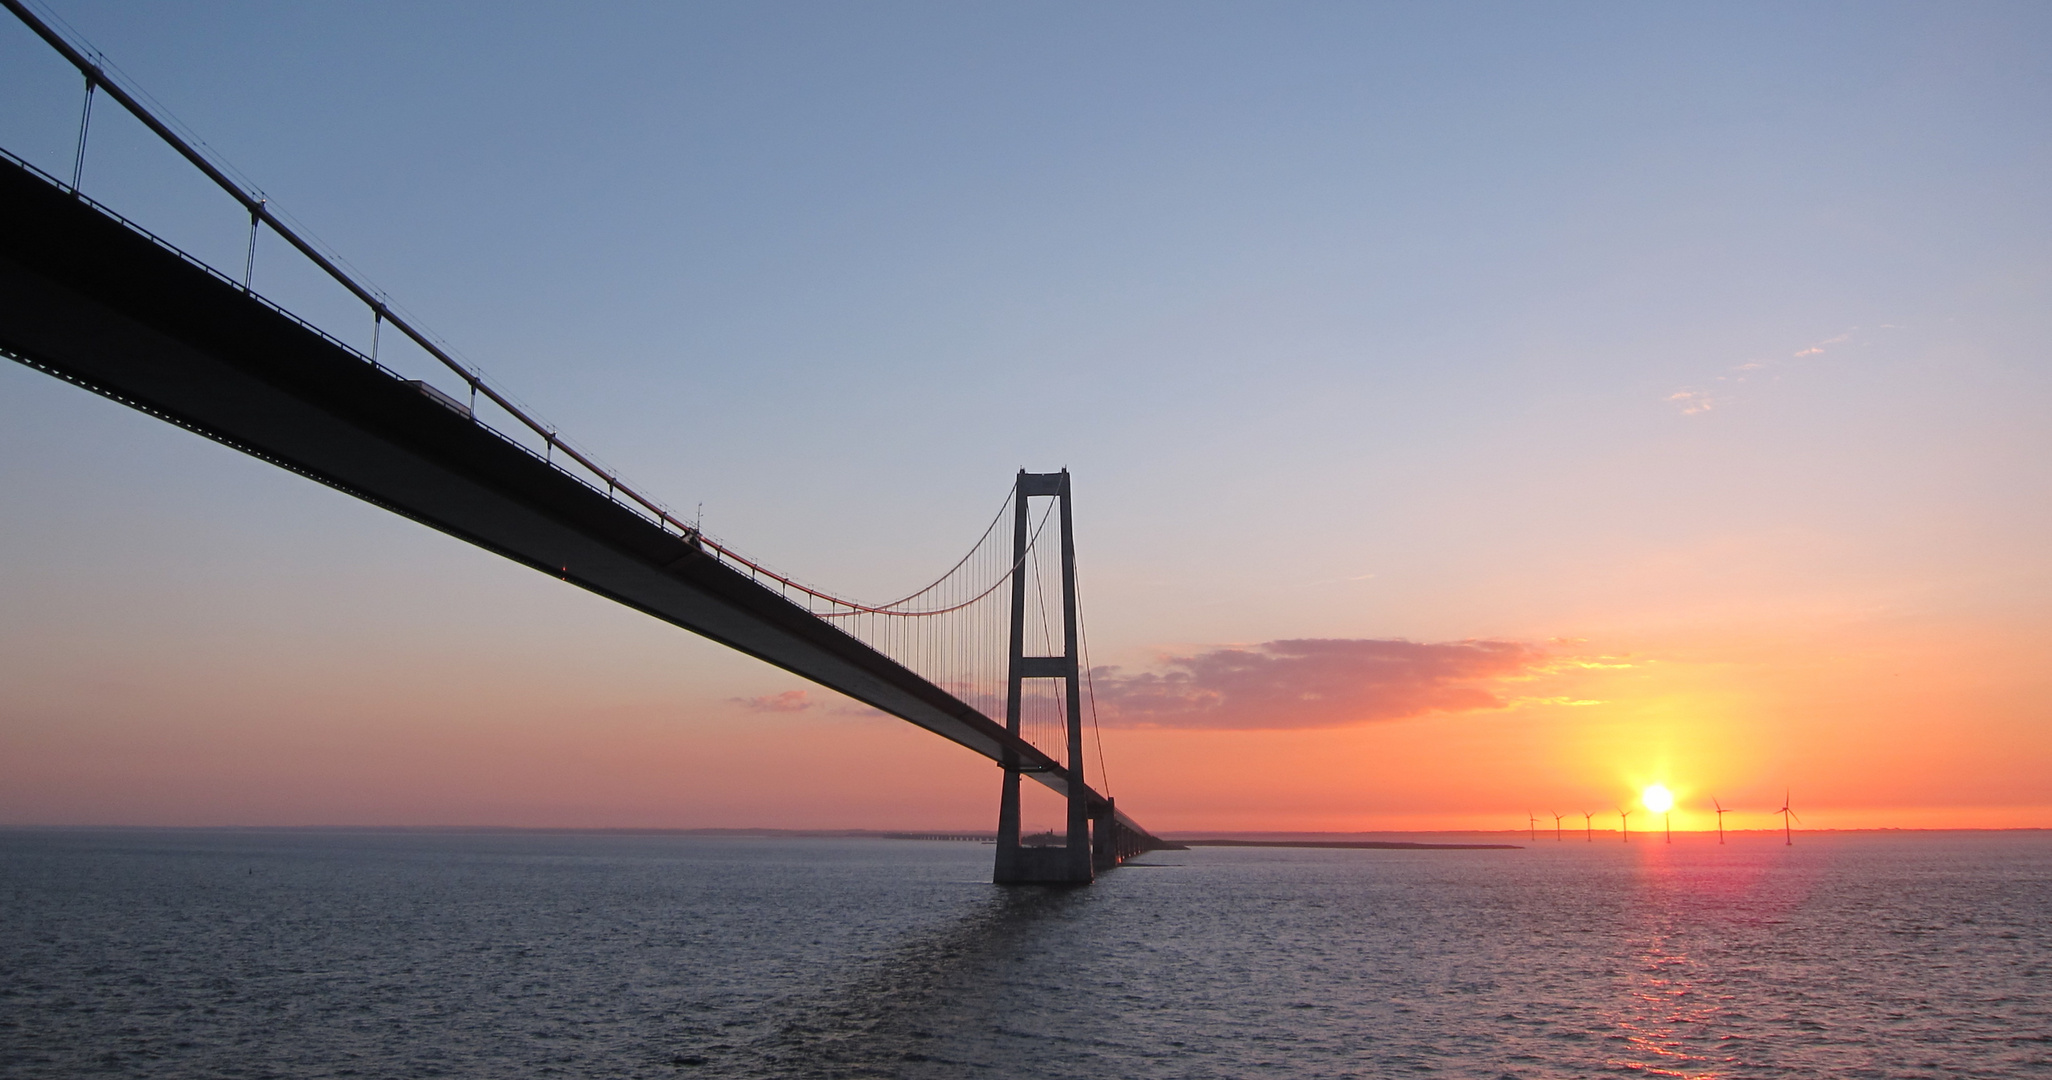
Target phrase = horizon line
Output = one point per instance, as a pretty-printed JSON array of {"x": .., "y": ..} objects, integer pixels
[{"x": 749, "y": 830}]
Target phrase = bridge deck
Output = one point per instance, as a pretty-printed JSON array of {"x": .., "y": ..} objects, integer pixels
[{"x": 95, "y": 301}]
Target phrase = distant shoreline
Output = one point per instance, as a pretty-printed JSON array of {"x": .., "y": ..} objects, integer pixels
[
  {"x": 1397, "y": 845},
  {"x": 1277, "y": 838}
]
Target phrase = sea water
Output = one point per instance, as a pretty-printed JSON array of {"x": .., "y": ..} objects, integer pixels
[{"x": 202, "y": 953}]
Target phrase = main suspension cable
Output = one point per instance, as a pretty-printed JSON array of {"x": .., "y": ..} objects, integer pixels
[{"x": 866, "y": 609}]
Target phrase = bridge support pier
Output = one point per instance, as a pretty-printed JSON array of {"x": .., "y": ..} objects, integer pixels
[
  {"x": 1104, "y": 837},
  {"x": 1072, "y": 863}
]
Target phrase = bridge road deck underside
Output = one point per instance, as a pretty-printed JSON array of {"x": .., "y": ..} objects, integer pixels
[{"x": 90, "y": 300}]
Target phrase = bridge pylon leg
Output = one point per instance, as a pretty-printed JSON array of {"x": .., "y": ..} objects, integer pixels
[
  {"x": 1072, "y": 863},
  {"x": 1106, "y": 850},
  {"x": 1009, "y": 870}
]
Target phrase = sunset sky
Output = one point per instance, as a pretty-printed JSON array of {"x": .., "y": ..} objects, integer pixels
[{"x": 1474, "y": 409}]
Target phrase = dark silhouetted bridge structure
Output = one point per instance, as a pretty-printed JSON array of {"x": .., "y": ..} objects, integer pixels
[{"x": 98, "y": 301}]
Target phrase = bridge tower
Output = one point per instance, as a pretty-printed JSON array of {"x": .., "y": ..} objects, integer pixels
[{"x": 1072, "y": 863}]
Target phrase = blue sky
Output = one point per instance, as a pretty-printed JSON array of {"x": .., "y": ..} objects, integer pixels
[{"x": 1631, "y": 323}]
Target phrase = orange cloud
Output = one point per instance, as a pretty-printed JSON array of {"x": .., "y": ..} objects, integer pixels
[{"x": 1313, "y": 683}]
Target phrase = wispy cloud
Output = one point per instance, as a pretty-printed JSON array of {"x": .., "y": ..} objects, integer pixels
[
  {"x": 1819, "y": 347},
  {"x": 1315, "y": 683},
  {"x": 1695, "y": 400},
  {"x": 786, "y": 702},
  {"x": 1584, "y": 663}
]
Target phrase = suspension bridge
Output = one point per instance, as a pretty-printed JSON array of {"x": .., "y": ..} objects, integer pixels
[{"x": 990, "y": 655}]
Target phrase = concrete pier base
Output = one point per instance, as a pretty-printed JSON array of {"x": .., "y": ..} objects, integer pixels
[{"x": 1043, "y": 866}]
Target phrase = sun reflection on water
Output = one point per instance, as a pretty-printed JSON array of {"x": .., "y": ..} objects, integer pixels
[
  {"x": 1668, "y": 1016},
  {"x": 1662, "y": 1011}
]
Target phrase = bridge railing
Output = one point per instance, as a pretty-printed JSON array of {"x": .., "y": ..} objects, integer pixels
[
  {"x": 594, "y": 480},
  {"x": 949, "y": 632},
  {"x": 376, "y": 304},
  {"x": 888, "y": 626},
  {"x": 554, "y": 449},
  {"x": 966, "y": 661}
]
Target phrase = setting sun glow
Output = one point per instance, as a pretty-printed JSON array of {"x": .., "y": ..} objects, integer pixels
[{"x": 1657, "y": 798}]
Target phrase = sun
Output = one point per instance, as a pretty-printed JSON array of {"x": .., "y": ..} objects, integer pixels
[{"x": 1657, "y": 798}]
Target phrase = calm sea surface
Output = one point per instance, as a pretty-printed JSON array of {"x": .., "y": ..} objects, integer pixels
[{"x": 253, "y": 954}]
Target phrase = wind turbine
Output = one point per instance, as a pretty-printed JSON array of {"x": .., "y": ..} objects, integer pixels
[
  {"x": 1787, "y": 815},
  {"x": 1556, "y": 826},
  {"x": 1625, "y": 816},
  {"x": 1720, "y": 819},
  {"x": 1588, "y": 827},
  {"x": 1532, "y": 822},
  {"x": 1659, "y": 800}
]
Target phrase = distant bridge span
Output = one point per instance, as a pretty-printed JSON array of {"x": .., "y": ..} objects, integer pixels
[{"x": 97, "y": 301}]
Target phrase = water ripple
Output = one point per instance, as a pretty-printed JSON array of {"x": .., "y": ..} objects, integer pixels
[{"x": 319, "y": 954}]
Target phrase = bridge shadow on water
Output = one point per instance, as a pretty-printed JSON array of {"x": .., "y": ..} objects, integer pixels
[{"x": 961, "y": 998}]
